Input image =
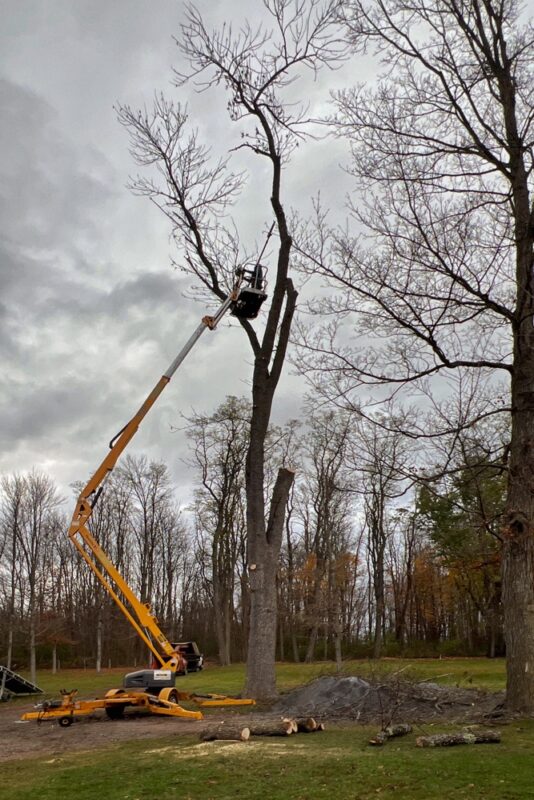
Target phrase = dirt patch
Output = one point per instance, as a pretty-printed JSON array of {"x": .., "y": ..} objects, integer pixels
[
  {"x": 331, "y": 699},
  {"x": 31, "y": 739}
]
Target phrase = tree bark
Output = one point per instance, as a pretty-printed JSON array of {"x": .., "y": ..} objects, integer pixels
[
  {"x": 295, "y": 647},
  {"x": 262, "y": 569},
  {"x": 10, "y": 643},
  {"x": 33, "y": 645},
  {"x": 220, "y": 610},
  {"x": 99, "y": 640},
  {"x": 451, "y": 739},
  {"x": 518, "y": 552},
  {"x": 312, "y": 644}
]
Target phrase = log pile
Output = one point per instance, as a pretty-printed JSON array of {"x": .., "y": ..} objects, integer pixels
[
  {"x": 286, "y": 727},
  {"x": 273, "y": 727},
  {"x": 439, "y": 739}
]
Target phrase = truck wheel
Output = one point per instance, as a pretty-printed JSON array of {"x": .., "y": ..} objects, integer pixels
[{"x": 65, "y": 722}]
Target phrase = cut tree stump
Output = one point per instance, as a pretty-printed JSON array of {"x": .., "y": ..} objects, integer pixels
[
  {"x": 390, "y": 732},
  {"x": 466, "y": 737},
  {"x": 236, "y": 733}
]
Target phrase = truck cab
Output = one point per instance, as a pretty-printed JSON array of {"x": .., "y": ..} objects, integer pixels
[{"x": 190, "y": 651}]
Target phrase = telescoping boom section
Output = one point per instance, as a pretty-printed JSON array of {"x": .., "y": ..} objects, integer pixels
[{"x": 150, "y": 688}]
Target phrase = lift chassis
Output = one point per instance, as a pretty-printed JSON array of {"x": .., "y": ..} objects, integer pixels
[{"x": 115, "y": 701}]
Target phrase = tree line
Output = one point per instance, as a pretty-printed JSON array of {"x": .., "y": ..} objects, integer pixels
[{"x": 371, "y": 562}]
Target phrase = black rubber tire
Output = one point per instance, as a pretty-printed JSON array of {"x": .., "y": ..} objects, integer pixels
[
  {"x": 115, "y": 712},
  {"x": 65, "y": 722},
  {"x": 173, "y": 696}
]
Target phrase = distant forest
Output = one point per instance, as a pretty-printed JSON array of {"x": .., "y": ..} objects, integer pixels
[{"x": 384, "y": 552}]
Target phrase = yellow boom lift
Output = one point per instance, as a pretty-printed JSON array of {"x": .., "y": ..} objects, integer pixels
[{"x": 153, "y": 689}]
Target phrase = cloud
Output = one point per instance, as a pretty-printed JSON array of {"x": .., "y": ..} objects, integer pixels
[
  {"x": 77, "y": 332},
  {"x": 91, "y": 312}
]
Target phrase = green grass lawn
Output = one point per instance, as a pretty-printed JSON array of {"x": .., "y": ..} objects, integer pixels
[{"x": 335, "y": 764}]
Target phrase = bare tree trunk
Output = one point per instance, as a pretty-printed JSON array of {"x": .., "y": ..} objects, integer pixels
[
  {"x": 99, "y": 640},
  {"x": 10, "y": 643},
  {"x": 337, "y": 629},
  {"x": 261, "y": 678},
  {"x": 245, "y": 612},
  {"x": 264, "y": 543},
  {"x": 312, "y": 644},
  {"x": 518, "y": 553},
  {"x": 228, "y": 632},
  {"x": 291, "y": 602},
  {"x": 378, "y": 581},
  {"x": 281, "y": 647},
  {"x": 337, "y": 651},
  {"x": 315, "y": 613},
  {"x": 375, "y": 513},
  {"x": 295, "y": 647},
  {"x": 220, "y": 610},
  {"x": 263, "y": 564}
]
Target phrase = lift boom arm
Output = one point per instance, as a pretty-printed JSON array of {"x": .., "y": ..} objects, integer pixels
[{"x": 138, "y": 613}]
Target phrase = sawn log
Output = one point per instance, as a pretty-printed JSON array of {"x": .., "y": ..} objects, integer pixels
[
  {"x": 466, "y": 737},
  {"x": 282, "y": 727},
  {"x": 236, "y": 733}
]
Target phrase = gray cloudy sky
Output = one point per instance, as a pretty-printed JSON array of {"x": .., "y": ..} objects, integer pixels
[{"x": 91, "y": 311}]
